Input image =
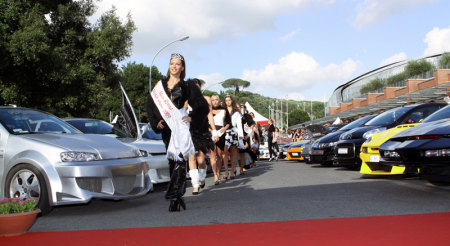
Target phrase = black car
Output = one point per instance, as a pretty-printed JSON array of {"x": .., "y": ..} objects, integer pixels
[
  {"x": 347, "y": 149},
  {"x": 425, "y": 147},
  {"x": 314, "y": 132},
  {"x": 323, "y": 148}
]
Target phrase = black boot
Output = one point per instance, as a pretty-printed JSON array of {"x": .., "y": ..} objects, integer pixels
[{"x": 174, "y": 205}]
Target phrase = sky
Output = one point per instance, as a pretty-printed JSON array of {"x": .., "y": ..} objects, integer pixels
[{"x": 287, "y": 49}]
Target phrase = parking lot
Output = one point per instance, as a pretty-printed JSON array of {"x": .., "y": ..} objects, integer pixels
[{"x": 273, "y": 191}]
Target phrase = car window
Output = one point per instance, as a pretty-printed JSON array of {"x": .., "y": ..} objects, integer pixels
[
  {"x": 24, "y": 121},
  {"x": 443, "y": 113},
  {"x": 357, "y": 123},
  {"x": 92, "y": 126},
  {"x": 420, "y": 113},
  {"x": 388, "y": 117}
]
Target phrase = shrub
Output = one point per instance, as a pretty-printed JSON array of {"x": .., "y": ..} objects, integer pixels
[
  {"x": 396, "y": 78},
  {"x": 444, "y": 61},
  {"x": 374, "y": 84},
  {"x": 417, "y": 67}
]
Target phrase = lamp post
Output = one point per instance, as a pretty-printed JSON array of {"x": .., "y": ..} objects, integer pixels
[{"x": 150, "y": 81}]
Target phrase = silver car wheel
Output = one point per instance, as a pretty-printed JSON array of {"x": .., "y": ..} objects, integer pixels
[{"x": 25, "y": 184}]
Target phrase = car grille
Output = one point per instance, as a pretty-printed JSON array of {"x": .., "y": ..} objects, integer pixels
[
  {"x": 350, "y": 150},
  {"x": 125, "y": 184},
  {"x": 90, "y": 184}
]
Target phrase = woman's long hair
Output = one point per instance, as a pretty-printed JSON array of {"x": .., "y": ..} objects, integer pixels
[
  {"x": 233, "y": 105},
  {"x": 183, "y": 63}
]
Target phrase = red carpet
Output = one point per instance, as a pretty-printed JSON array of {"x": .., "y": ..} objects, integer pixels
[{"x": 420, "y": 229}]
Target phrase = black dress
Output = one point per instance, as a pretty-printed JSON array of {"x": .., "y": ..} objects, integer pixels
[
  {"x": 184, "y": 90},
  {"x": 226, "y": 121}
]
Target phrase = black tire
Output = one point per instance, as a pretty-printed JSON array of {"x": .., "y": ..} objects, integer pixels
[{"x": 34, "y": 187}]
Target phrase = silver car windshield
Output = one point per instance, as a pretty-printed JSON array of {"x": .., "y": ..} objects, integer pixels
[{"x": 29, "y": 121}]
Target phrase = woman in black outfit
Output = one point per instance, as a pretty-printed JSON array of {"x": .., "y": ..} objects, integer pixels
[
  {"x": 222, "y": 120},
  {"x": 270, "y": 137},
  {"x": 178, "y": 91}
]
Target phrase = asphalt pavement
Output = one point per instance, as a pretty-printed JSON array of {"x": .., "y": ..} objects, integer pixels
[{"x": 272, "y": 191}]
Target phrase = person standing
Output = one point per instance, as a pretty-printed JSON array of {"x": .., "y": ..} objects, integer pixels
[
  {"x": 222, "y": 120},
  {"x": 235, "y": 134},
  {"x": 167, "y": 115},
  {"x": 270, "y": 139},
  {"x": 203, "y": 143}
]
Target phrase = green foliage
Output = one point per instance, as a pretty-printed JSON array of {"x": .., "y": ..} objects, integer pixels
[
  {"x": 235, "y": 83},
  {"x": 14, "y": 205},
  {"x": 444, "y": 61},
  {"x": 298, "y": 116},
  {"x": 373, "y": 85},
  {"x": 396, "y": 78},
  {"x": 64, "y": 64},
  {"x": 417, "y": 67}
]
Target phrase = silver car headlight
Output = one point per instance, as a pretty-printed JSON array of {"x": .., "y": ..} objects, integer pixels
[
  {"x": 75, "y": 156},
  {"x": 372, "y": 132}
]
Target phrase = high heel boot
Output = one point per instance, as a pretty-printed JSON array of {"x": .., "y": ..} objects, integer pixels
[
  {"x": 174, "y": 205},
  {"x": 182, "y": 203}
]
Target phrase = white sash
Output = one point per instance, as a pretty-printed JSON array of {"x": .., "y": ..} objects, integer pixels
[{"x": 180, "y": 139}]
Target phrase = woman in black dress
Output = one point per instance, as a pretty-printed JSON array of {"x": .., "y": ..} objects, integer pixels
[
  {"x": 177, "y": 91},
  {"x": 222, "y": 120}
]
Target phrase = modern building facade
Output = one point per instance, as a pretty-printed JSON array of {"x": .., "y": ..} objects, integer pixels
[{"x": 348, "y": 102}]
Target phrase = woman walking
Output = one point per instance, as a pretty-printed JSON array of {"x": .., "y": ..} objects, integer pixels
[
  {"x": 222, "y": 120},
  {"x": 165, "y": 108},
  {"x": 203, "y": 143},
  {"x": 235, "y": 134}
]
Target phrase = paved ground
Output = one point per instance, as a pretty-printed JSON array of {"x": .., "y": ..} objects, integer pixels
[{"x": 273, "y": 191}]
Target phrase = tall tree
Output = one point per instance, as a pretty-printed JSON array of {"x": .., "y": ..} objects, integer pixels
[
  {"x": 298, "y": 116},
  {"x": 134, "y": 78},
  {"x": 54, "y": 59},
  {"x": 235, "y": 84}
]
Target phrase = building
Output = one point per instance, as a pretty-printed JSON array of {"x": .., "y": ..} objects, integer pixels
[{"x": 348, "y": 102}]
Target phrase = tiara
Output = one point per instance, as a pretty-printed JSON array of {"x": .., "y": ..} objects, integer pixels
[{"x": 178, "y": 56}]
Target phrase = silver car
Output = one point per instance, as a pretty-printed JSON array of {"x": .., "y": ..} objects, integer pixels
[
  {"x": 157, "y": 160},
  {"x": 44, "y": 158}
]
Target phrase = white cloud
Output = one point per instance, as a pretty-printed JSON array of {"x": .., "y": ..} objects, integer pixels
[
  {"x": 438, "y": 40},
  {"x": 212, "y": 81},
  {"x": 299, "y": 71},
  {"x": 373, "y": 11},
  {"x": 295, "y": 96},
  {"x": 395, "y": 58},
  {"x": 289, "y": 35},
  {"x": 204, "y": 21}
]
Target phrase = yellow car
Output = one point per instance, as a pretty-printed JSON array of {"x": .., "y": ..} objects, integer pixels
[{"x": 370, "y": 155}]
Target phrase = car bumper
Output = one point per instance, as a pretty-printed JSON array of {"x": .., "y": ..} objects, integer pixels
[
  {"x": 347, "y": 153},
  {"x": 370, "y": 158},
  {"x": 322, "y": 155},
  {"x": 158, "y": 168},
  {"x": 294, "y": 156},
  {"x": 108, "y": 179}
]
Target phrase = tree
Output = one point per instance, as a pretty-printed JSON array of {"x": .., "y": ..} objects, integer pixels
[
  {"x": 55, "y": 60},
  {"x": 134, "y": 78},
  {"x": 298, "y": 116},
  {"x": 235, "y": 83}
]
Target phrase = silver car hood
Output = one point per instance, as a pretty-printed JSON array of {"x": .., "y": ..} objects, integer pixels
[
  {"x": 107, "y": 147},
  {"x": 149, "y": 145}
]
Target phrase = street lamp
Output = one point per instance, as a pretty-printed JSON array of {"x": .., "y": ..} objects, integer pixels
[{"x": 150, "y": 81}]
